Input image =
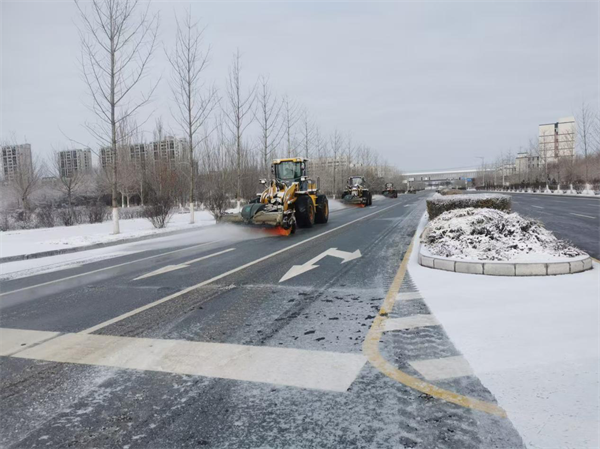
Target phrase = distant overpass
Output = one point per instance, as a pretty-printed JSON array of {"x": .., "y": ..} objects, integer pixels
[{"x": 434, "y": 178}]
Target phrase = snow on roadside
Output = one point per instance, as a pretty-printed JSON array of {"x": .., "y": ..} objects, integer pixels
[
  {"x": 532, "y": 341},
  {"x": 489, "y": 234},
  {"x": 30, "y": 241}
]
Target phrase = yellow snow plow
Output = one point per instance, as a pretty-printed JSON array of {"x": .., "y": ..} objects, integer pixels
[
  {"x": 357, "y": 192},
  {"x": 290, "y": 200}
]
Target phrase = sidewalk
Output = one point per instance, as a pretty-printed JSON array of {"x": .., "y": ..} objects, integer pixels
[
  {"x": 33, "y": 243},
  {"x": 533, "y": 342}
]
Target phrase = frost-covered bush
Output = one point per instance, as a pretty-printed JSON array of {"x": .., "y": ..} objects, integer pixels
[
  {"x": 439, "y": 204},
  {"x": 96, "y": 212},
  {"x": 159, "y": 210},
  {"x": 488, "y": 234},
  {"x": 45, "y": 216}
]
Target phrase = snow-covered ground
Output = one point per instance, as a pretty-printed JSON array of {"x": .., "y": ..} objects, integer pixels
[
  {"x": 533, "y": 342},
  {"x": 29, "y": 241},
  {"x": 493, "y": 235}
]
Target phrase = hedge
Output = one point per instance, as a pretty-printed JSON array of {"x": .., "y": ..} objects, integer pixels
[{"x": 439, "y": 204}]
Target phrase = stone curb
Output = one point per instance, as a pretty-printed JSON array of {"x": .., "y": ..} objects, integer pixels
[
  {"x": 76, "y": 249},
  {"x": 578, "y": 265}
]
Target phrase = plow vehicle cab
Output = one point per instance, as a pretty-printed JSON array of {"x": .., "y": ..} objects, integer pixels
[
  {"x": 357, "y": 192},
  {"x": 390, "y": 191},
  {"x": 289, "y": 200}
]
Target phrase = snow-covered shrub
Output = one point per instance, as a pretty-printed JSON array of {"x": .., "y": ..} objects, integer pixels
[
  {"x": 126, "y": 213},
  {"x": 450, "y": 192},
  {"x": 45, "y": 216},
  {"x": 159, "y": 210},
  {"x": 439, "y": 204},
  {"x": 96, "y": 212},
  {"x": 488, "y": 234}
]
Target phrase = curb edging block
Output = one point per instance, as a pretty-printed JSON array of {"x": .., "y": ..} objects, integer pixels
[
  {"x": 576, "y": 267},
  {"x": 440, "y": 264},
  {"x": 531, "y": 269},
  {"x": 496, "y": 269},
  {"x": 469, "y": 267},
  {"x": 560, "y": 268}
]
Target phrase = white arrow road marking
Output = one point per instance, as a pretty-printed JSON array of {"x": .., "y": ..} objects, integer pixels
[
  {"x": 299, "y": 269},
  {"x": 169, "y": 268}
]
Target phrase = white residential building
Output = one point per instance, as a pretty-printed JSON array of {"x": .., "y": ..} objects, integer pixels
[
  {"x": 70, "y": 161},
  {"x": 557, "y": 140},
  {"x": 16, "y": 159},
  {"x": 526, "y": 163}
]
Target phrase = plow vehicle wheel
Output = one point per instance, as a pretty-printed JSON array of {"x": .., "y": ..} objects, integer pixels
[
  {"x": 305, "y": 212},
  {"x": 322, "y": 214}
]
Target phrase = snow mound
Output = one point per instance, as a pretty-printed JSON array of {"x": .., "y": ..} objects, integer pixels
[
  {"x": 489, "y": 234},
  {"x": 469, "y": 197}
]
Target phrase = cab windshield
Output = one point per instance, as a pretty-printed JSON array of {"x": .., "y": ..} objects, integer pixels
[
  {"x": 356, "y": 180},
  {"x": 288, "y": 171}
]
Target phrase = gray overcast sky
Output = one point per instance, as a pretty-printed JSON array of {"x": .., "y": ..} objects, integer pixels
[{"x": 428, "y": 85}]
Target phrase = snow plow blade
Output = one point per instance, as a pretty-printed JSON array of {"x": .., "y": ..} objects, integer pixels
[
  {"x": 254, "y": 215},
  {"x": 351, "y": 199}
]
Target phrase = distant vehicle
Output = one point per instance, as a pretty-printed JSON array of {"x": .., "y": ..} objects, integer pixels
[
  {"x": 357, "y": 192},
  {"x": 411, "y": 190},
  {"x": 390, "y": 191}
]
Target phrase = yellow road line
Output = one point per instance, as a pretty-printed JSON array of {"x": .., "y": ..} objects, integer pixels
[
  {"x": 371, "y": 351},
  {"x": 594, "y": 259}
]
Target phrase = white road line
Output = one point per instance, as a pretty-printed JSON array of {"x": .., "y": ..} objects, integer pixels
[
  {"x": 581, "y": 215},
  {"x": 407, "y": 296},
  {"x": 319, "y": 370},
  {"x": 103, "y": 269},
  {"x": 444, "y": 368},
  {"x": 169, "y": 268},
  {"x": 221, "y": 276},
  {"x": 410, "y": 322},
  {"x": 538, "y": 207},
  {"x": 407, "y": 205}
]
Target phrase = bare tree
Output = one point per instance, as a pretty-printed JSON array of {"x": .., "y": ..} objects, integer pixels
[
  {"x": 239, "y": 105},
  {"x": 71, "y": 178},
  {"x": 585, "y": 131},
  {"x": 194, "y": 102},
  {"x": 336, "y": 149},
  {"x": 290, "y": 118},
  {"x": 268, "y": 116},
  {"x": 25, "y": 181},
  {"x": 307, "y": 132},
  {"x": 118, "y": 38}
]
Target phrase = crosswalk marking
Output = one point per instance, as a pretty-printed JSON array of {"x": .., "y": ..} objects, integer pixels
[
  {"x": 319, "y": 370},
  {"x": 444, "y": 368},
  {"x": 407, "y": 296},
  {"x": 410, "y": 322},
  {"x": 13, "y": 340}
]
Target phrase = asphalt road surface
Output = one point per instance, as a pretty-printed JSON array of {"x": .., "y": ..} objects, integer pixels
[
  {"x": 237, "y": 342},
  {"x": 576, "y": 219}
]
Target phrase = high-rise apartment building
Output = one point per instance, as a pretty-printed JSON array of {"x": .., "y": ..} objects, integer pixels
[
  {"x": 16, "y": 160},
  {"x": 71, "y": 161}
]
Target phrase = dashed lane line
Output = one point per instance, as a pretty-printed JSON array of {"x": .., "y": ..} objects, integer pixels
[
  {"x": 301, "y": 368},
  {"x": 55, "y": 281},
  {"x": 223, "y": 275},
  {"x": 537, "y": 207},
  {"x": 582, "y": 215},
  {"x": 374, "y": 356}
]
